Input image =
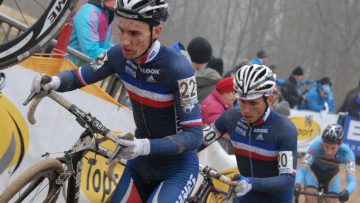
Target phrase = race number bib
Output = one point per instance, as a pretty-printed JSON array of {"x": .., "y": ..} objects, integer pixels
[
  {"x": 285, "y": 159},
  {"x": 210, "y": 135},
  {"x": 188, "y": 93},
  {"x": 350, "y": 166}
]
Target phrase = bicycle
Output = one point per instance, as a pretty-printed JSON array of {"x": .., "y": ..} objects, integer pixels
[
  {"x": 321, "y": 196},
  {"x": 45, "y": 179},
  {"x": 207, "y": 192},
  {"x": 56, "y": 14}
]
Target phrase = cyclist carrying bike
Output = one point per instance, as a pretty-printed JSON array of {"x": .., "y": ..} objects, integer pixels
[
  {"x": 320, "y": 166},
  {"x": 264, "y": 141},
  {"x": 162, "y": 161}
]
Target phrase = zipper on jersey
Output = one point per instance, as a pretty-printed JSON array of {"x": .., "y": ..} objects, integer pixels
[{"x": 249, "y": 152}]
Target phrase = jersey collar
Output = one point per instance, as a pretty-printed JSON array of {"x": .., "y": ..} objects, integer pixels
[{"x": 154, "y": 51}]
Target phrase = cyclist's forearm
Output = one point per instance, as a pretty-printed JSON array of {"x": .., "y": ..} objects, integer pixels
[
  {"x": 351, "y": 182},
  {"x": 187, "y": 140},
  {"x": 273, "y": 184},
  {"x": 300, "y": 175}
]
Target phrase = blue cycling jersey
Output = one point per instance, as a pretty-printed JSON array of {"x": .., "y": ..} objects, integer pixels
[
  {"x": 315, "y": 156},
  {"x": 265, "y": 153},
  {"x": 165, "y": 109}
]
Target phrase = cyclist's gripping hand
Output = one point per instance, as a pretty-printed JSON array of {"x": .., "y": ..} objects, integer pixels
[
  {"x": 297, "y": 188},
  {"x": 344, "y": 196},
  {"x": 40, "y": 83},
  {"x": 133, "y": 148},
  {"x": 242, "y": 186}
]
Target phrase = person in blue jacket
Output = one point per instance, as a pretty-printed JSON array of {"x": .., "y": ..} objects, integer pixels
[
  {"x": 92, "y": 33},
  {"x": 319, "y": 168},
  {"x": 320, "y": 97}
]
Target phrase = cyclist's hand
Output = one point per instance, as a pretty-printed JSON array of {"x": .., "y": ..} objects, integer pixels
[
  {"x": 133, "y": 148},
  {"x": 344, "y": 196},
  {"x": 297, "y": 188},
  {"x": 243, "y": 186},
  {"x": 39, "y": 84}
]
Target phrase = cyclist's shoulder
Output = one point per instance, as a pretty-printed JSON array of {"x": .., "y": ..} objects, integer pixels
[
  {"x": 279, "y": 121},
  {"x": 345, "y": 152},
  {"x": 174, "y": 62}
]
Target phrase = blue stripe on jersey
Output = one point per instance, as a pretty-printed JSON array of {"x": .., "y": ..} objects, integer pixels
[
  {"x": 256, "y": 143},
  {"x": 144, "y": 85}
]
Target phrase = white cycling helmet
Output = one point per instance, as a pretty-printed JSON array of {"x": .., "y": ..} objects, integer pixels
[
  {"x": 333, "y": 134},
  {"x": 148, "y": 11},
  {"x": 254, "y": 81}
]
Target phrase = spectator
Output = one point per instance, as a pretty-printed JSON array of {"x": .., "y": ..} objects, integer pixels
[
  {"x": 279, "y": 104},
  {"x": 180, "y": 48},
  {"x": 279, "y": 81},
  {"x": 232, "y": 72},
  {"x": 92, "y": 33},
  {"x": 291, "y": 90},
  {"x": 318, "y": 98},
  {"x": 261, "y": 58},
  {"x": 352, "y": 105},
  {"x": 355, "y": 90},
  {"x": 216, "y": 64},
  {"x": 218, "y": 101},
  {"x": 200, "y": 52}
]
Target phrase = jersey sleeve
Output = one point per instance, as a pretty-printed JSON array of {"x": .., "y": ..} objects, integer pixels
[
  {"x": 350, "y": 169},
  {"x": 99, "y": 69},
  {"x": 187, "y": 108}
]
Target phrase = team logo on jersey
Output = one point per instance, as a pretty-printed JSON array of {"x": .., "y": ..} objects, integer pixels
[
  {"x": 150, "y": 79},
  {"x": 150, "y": 71},
  {"x": 130, "y": 71},
  {"x": 240, "y": 131},
  {"x": 99, "y": 61},
  {"x": 188, "y": 93},
  {"x": 350, "y": 166},
  {"x": 259, "y": 137},
  {"x": 261, "y": 130}
]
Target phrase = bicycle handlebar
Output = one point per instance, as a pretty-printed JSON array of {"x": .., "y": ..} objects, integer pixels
[
  {"x": 318, "y": 194},
  {"x": 86, "y": 120},
  {"x": 213, "y": 174}
]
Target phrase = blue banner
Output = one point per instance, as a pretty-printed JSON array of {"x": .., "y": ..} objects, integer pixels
[{"x": 352, "y": 134}]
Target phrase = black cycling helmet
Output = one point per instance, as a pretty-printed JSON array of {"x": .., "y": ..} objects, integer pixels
[
  {"x": 333, "y": 134},
  {"x": 148, "y": 11}
]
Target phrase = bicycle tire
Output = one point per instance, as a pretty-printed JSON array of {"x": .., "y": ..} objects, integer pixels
[
  {"x": 39, "y": 34},
  {"x": 47, "y": 168}
]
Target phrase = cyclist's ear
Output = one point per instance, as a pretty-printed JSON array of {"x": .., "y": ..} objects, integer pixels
[{"x": 157, "y": 30}]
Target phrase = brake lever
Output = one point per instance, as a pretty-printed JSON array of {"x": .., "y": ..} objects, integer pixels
[{"x": 45, "y": 79}]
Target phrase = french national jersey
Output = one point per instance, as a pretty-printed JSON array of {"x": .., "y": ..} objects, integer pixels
[
  {"x": 162, "y": 92},
  {"x": 266, "y": 153}
]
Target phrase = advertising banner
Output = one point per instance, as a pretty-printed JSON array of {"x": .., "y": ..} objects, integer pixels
[{"x": 352, "y": 134}]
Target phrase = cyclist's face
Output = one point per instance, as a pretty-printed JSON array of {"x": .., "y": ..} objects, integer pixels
[
  {"x": 135, "y": 37},
  {"x": 252, "y": 110},
  {"x": 330, "y": 150}
]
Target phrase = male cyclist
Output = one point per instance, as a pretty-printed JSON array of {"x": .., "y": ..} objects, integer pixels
[
  {"x": 264, "y": 141},
  {"x": 162, "y": 161},
  {"x": 320, "y": 166}
]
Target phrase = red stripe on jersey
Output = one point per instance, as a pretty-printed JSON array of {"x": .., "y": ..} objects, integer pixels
[
  {"x": 254, "y": 155},
  {"x": 78, "y": 75},
  {"x": 150, "y": 102}
]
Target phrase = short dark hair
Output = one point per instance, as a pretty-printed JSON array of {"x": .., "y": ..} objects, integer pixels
[
  {"x": 261, "y": 54},
  {"x": 200, "y": 50}
]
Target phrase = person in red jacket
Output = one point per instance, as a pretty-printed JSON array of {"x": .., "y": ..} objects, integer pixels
[{"x": 216, "y": 103}]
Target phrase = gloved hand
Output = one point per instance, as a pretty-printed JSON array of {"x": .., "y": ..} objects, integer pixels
[
  {"x": 297, "y": 188},
  {"x": 38, "y": 83},
  {"x": 133, "y": 148},
  {"x": 243, "y": 186},
  {"x": 344, "y": 196}
]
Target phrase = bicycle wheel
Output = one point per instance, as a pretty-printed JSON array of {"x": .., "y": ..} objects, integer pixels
[
  {"x": 54, "y": 13},
  {"x": 37, "y": 184}
]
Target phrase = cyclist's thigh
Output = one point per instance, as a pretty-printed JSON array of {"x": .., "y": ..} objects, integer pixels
[
  {"x": 176, "y": 188},
  {"x": 126, "y": 190},
  {"x": 311, "y": 180},
  {"x": 334, "y": 185}
]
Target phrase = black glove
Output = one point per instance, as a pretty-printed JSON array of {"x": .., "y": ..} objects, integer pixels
[
  {"x": 297, "y": 188},
  {"x": 344, "y": 196}
]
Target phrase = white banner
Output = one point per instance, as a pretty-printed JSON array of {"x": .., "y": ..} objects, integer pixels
[{"x": 55, "y": 131}]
